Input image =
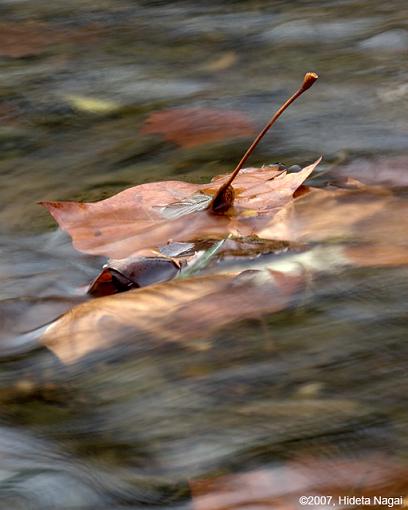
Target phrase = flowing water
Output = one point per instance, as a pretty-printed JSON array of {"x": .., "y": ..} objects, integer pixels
[{"x": 323, "y": 379}]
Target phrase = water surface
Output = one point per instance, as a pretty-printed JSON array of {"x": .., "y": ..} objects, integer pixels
[{"x": 326, "y": 378}]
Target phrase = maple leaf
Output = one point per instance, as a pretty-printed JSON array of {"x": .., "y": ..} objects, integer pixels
[{"x": 151, "y": 214}]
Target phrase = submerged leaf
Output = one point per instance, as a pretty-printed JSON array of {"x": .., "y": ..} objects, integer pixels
[
  {"x": 194, "y": 126},
  {"x": 23, "y": 39},
  {"x": 371, "y": 224},
  {"x": 282, "y": 486},
  {"x": 183, "y": 310},
  {"x": 19, "y": 39}
]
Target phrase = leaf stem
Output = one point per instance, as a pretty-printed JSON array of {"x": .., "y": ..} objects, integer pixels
[{"x": 217, "y": 201}]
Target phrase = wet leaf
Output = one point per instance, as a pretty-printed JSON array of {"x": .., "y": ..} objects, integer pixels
[
  {"x": 195, "y": 126},
  {"x": 24, "y": 39},
  {"x": 370, "y": 223},
  {"x": 181, "y": 259},
  {"x": 132, "y": 273},
  {"x": 185, "y": 310},
  {"x": 29, "y": 38},
  {"x": 281, "y": 486},
  {"x": 151, "y": 215}
]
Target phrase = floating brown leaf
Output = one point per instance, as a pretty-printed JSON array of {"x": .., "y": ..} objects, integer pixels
[
  {"x": 181, "y": 310},
  {"x": 194, "y": 126},
  {"x": 151, "y": 214},
  {"x": 282, "y": 486}
]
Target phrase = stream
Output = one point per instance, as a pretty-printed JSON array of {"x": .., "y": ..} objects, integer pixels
[{"x": 325, "y": 379}]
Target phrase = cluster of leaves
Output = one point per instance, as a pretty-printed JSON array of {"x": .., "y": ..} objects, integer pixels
[
  {"x": 177, "y": 218},
  {"x": 169, "y": 230},
  {"x": 194, "y": 258}
]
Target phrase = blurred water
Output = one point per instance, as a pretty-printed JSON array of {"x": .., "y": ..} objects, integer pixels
[{"x": 327, "y": 378}]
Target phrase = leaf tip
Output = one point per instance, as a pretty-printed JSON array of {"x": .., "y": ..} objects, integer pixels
[
  {"x": 43, "y": 203},
  {"x": 49, "y": 205}
]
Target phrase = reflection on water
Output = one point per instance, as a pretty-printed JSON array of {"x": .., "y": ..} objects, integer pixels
[{"x": 324, "y": 380}]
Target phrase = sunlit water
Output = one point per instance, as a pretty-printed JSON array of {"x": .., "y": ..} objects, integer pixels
[{"x": 325, "y": 378}]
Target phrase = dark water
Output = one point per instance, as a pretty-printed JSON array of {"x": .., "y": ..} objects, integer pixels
[{"x": 326, "y": 378}]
